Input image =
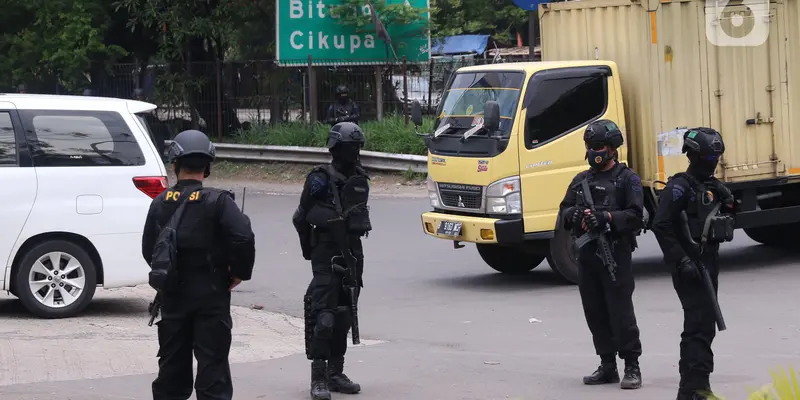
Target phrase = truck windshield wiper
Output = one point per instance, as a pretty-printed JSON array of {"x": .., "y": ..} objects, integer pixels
[{"x": 442, "y": 129}]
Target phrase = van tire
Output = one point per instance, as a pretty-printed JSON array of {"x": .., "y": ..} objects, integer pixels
[
  {"x": 562, "y": 258},
  {"x": 69, "y": 250},
  {"x": 508, "y": 260},
  {"x": 770, "y": 235}
]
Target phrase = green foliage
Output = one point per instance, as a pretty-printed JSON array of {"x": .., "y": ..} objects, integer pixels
[
  {"x": 391, "y": 15},
  {"x": 54, "y": 38},
  {"x": 390, "y": 135},
  {"x": 499, "y": 18}
]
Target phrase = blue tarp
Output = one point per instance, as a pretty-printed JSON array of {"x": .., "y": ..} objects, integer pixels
[{"x": 451, "y": 45}]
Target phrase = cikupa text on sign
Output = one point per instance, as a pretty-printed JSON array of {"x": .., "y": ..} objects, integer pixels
[{"x": 310, "y": 9}]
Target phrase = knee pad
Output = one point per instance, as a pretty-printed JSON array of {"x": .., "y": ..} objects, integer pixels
[{"x": 324, "y": 326}]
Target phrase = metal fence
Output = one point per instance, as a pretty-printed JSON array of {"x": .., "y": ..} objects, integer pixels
[{"x": 223, "y": 97}]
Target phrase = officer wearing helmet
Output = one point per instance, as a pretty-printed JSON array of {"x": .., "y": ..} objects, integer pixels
[
  {"x": 607, "y": 300},
  {"x": 215, "y": 252},
  {"x": 344, "y": 109},
  {"x": 703, "y": 198},
  {"x": 338, "y": 189}
]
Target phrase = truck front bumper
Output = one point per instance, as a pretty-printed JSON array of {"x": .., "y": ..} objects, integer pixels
[{"x": 476, "y": 229}]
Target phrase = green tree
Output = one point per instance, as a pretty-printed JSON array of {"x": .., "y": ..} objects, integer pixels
[
  {"x": 499, "y": 18},
  {"x": 54, "y": 41}
]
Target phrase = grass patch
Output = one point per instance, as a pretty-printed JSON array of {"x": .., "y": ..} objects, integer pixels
[{"x": 390, "y": 135}]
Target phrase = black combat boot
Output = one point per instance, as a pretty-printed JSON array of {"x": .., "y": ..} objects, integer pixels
[
  {"x": 633, "y": 376},
  {"x": 338, "y": 381},
  {"x": 319, "y": 381},
  {"x": 605, "y": 373}
]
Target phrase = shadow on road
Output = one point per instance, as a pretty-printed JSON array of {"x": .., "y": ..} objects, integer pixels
[
  {"x": 12, "y": 308},
  {"x": 540, "y": 278}
]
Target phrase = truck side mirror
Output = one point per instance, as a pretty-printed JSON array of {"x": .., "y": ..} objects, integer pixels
[
  {"x": 491, "y": 116},
  {"x": 416, "y": 113}
]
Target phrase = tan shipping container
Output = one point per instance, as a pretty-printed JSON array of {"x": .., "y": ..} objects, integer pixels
[{"x": 673, "y": 77}]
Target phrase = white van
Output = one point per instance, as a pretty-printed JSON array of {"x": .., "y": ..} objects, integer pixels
[{"x": 78, "y": 176}]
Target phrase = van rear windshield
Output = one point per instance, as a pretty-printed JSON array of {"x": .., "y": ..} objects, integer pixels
[{"x": 464, "y": 99}]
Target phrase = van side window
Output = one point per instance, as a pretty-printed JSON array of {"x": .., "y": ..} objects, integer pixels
[
  {"x": 80, "y": 139},
  {"x": 561, "y": 105},
  {"x": 8, "y": 142}
]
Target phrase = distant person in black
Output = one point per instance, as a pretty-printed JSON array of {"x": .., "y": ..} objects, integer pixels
[
  {"x": 216, "y": 252},
  {"x": 344, "y": 185},
  {"x": 344, "y": 110},
  {"x": 700, "y": 195},
  {"x": 616, "y": 192}
]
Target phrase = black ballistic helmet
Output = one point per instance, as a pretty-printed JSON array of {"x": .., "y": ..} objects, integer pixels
[
  {"x": 345, "y": 132},
  {"x": 341, "y": 90},
  {"x": 191, "y": 142},
  {"x": 603, "y": 131},
  {"x": 703, "y": 141}
]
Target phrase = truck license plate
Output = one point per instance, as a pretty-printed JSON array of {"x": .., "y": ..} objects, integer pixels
[{"x": 449, "y": 228}]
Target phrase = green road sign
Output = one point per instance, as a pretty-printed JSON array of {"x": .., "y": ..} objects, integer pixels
[{"x": 305, "y": 28}]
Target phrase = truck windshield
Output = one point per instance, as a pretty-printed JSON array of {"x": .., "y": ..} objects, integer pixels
[{"x": 463, "y": 103}]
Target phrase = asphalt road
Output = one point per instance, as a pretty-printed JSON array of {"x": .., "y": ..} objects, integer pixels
[{"x": 455, "y": 329}]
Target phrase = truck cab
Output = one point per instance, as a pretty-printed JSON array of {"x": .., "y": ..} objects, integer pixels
[{"x": 507, "y": 141}]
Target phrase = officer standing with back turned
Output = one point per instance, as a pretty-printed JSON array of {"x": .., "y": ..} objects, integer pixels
[
  {"x": 606, "y": 286},
  {"x": 701, "y": 196},
  {"x": 338, "y": 190},
  {"x": 215, "y": 252}
]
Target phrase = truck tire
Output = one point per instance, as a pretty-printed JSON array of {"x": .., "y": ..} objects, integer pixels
[
  {"x": 508, "y": 260},
  {"x": 562, "y": 258},
  {"x": 770, "y": 235}
]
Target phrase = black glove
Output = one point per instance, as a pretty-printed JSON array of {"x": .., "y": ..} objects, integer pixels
[
  {"x": 597, "y": 220},
  {"x": 688, "y": 269},
  {"x": 576, "y": 216}
]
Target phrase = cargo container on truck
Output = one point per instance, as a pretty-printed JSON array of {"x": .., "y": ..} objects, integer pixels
[{"x": 656, "y": 69}]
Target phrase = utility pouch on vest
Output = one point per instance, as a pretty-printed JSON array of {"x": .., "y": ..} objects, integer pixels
[
  {"x": 319, "y": 215},
  {"x": 720, "y": 229}
]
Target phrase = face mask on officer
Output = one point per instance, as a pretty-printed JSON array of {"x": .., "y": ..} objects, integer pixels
[
  {"x": 599, "y": 155},
  {"x": 703, "y": 165},
  {"x": 346, "y": 153},
  {"x": 342, "y": 98}
]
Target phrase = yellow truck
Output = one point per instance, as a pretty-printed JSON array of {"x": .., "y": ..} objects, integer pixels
[{"x": 508, "y": 138}]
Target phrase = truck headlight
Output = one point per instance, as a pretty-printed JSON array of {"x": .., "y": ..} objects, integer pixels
[
  {"x": 433, "y": 194},
  {"x": 503, "y": 197}
]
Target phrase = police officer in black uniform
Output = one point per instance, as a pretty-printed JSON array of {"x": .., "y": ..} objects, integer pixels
[
  {"x": 327, "y": 317},
  {"x": 608, "y": 304},
  {"x": 696, "y": 192},
  {"x": 215, "y": 252},
  {"x": 344, "y": 110}
]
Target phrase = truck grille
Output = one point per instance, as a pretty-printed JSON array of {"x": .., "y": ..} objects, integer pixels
[{"x": 461, "y": 196}]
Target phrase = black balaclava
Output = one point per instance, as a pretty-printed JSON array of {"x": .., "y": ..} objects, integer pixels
[
  {"x": 599, "y": 159},
  {"x": 342, "y": 99},
  {"x": 345, "y": 155},
  {"x": 702, "y": 166}
]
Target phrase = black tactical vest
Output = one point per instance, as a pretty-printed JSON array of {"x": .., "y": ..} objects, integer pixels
[
  {"x": 706, "y": 224},
  {"x": 349, "y": 199},
  {"x": 607, "y": 194}
]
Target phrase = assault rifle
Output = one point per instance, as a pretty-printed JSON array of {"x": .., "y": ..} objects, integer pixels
[
  {"x": 709, "y": 285},
  {"x": 349, "y": 270},
  {"x": 600, "y": 237}
]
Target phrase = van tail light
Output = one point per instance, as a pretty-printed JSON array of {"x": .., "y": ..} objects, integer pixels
[{"x": 151, "y": 185}]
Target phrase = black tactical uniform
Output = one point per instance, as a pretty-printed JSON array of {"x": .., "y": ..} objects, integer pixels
[
  {"x": 215, "y": 246},
  {"x": 608, "y": 304},
  {"x": 344, "y": 110},
  {"x": 327, "y": 317},
  {"x": 699, "y": 194}
]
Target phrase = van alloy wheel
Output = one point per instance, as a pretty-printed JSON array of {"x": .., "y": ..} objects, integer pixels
[{"x": 57, "y": 279}]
